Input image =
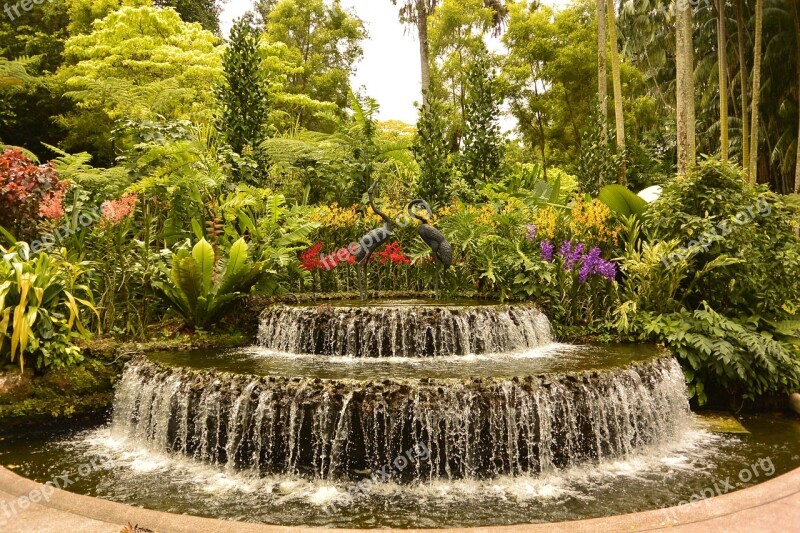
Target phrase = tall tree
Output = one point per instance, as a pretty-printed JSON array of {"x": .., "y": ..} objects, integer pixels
[
  {"x": 619, "y": 114},
  {"x": 756, "y": 91},
  {"x": 417, "y": 12},
  {"x": 796, "y": 17},
  {"x": 242, "y": 94},
  {"x": 483, "y": 142},
  {"x": 684, "y": 59},
  {"x": 602, "y": 69},
  {"x": 431, "y": 150},
  {"x": 722, "y": 63},
  {"x": 206, "y": 12},
  {"x": 743, "y": 79},
  {"x": 324, "y": 40}
]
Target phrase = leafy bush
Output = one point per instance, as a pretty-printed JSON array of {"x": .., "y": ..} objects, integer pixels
[
  {"x": 202, "y": 291},
  {"x": 714, "y": 213},
  {"x": 40, "y": 312},
  {"x": 717, "y": 283}
]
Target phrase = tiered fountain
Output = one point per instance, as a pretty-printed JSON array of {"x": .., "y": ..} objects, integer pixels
[{"x": 341, "y": 391}]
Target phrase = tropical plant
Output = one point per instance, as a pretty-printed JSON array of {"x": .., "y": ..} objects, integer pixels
[
  {"x": 742, "y": 357},
  {"x": 40, "y": 308},
  {"x": 200, "y": 290},
  {"x": 716, "y": 214}
]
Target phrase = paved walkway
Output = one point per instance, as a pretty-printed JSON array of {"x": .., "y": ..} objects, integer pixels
[{"x": 769, "y": 507}]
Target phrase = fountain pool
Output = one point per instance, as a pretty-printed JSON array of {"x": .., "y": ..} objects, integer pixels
[{"x": 407, "y": 416}]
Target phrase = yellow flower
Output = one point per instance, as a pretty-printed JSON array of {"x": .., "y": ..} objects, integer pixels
[{"x": 589, "y": 222}]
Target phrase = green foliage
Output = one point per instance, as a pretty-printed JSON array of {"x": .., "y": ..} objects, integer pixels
[
  {"x": 622, "y": 201},
  {"x": 431, "y": 150},
  {"x": 481, "y": 158},
  {"x": 206, "y": 12},
  {"x": 598, "y": 163},
  {"x": 40, "y": 311},
  {"x": 139, "y": 62},
  {"x": 715, "y": 214},
  {"x": 323, "y": 41},
  {"x": 202, "y": 291},
  {"x": 242, "y": 95},
  {"x": 735, "y": 356}
]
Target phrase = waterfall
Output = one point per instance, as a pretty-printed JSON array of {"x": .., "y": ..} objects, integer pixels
[
  {"x": 331, "y": 429},
  {"x": 403, "y": 332}
]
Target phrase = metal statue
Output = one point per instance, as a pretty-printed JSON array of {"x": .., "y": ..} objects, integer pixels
[
  {"x": 434, "y": 238},
  {"x": 370, "y": 242}
]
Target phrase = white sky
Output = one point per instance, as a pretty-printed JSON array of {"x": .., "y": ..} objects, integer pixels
[{"x": 390, "y": 67}]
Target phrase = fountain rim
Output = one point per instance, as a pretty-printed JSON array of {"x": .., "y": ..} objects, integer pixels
[
  {"x": 769, "y": 502},
  {"x": 402, "y": 303},
  {"x": 660, "y": 354}
]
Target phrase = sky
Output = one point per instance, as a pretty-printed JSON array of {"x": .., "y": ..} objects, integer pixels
[{"x": 390, "y": 69}]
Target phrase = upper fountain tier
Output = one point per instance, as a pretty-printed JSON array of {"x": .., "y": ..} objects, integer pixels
[{"x": 411, "y": 328}]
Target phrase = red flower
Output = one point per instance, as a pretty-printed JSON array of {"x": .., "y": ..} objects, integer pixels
[
  {"x": 392, "y": 253},
  {"x": 114, "y": 211},
  {"x": 310, "y": 259}
]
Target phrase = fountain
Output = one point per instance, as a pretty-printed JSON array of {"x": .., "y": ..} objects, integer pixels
[{"x": 342, "y": 391}]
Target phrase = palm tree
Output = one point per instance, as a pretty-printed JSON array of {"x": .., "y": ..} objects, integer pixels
[
  {"x": 797, "y": 142},
  {"x": 602, "y": 69},
  {"x": 740, "y": 35},
  {"x": 756, "y": 91},
  {"x": 722, "y": 63},
  {"x": 619, "y": 115},
  {"x": 416, "y": 12},
  {"x": 684, "y": 59}
]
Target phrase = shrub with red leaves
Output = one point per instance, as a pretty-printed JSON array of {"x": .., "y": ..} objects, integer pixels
[{"x": 27, "y": 192}]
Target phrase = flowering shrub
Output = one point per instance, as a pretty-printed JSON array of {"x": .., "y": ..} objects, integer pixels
[
  {"x": 27, "y": 192},
  {"x": 52, "y": 207},
  {"x": 115, "y": 211}
]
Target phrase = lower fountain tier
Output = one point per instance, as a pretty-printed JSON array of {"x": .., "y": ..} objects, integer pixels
[
  {"x": 403, "y": 329},
  {"x": 474, "y": 428}
]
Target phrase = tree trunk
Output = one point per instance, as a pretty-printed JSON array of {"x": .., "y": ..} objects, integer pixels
[
  {"x": 424, "y": 50},
  {"x": 684, "y": 87},
  {"x": 617, "y": 80},
  {"x": 797, "y": 143},
  {"x": 722, "y": 60},
  {"x": 740, "y": 33},
  {"x": 756, "y": 92},
  {"x": 602, "y": 69}
]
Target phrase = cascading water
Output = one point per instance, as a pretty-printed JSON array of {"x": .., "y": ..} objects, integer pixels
[
  {"x": 407, "y": 331},
  {"x": 332, "y": 428},
  {"x": 477, "y": 425}
]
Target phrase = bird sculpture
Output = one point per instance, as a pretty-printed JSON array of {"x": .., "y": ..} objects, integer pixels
[
  {"x": 435, "y": 239},
  {"x": 370, "y": 242}
]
